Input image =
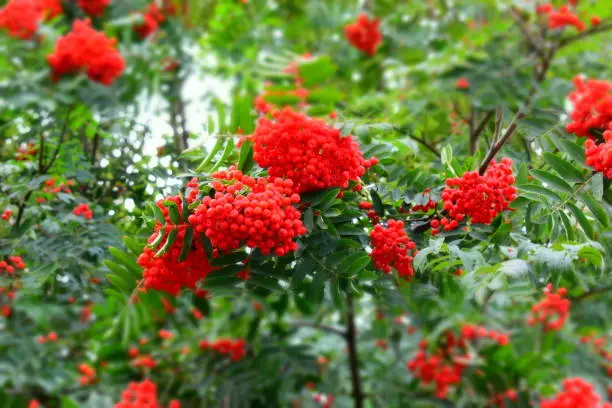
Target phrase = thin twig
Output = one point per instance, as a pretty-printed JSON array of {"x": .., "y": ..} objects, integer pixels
[
  {"x": 592, "y": 292},
  {"x": 351, "y": 339},
  {"x": 475, "y": 135},
  {"x": 602, "y": 27},
  {"x": 535, "y": 44},
  {"x": 422, "y": 141}
]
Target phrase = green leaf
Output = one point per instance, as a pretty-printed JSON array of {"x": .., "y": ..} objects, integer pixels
[
  {"x": 582, "y": 220},
  {"x": 596, "y": 208},
  {"x": 564, "y": 168},
  {"x": 597, "y": 185},
  {"x": 553, "y": 180},
  {"x": 186, "y": 245},
  {"x": 229, "y": 259},
  {"x": 169, "y": 242},
  {"x": 538, "y": 190},
  {"x": 229, "y": 147},
  {"x": 159, "y": 215},
  {"x": 245, "y": 161},
  {"x": 303, "y": 268},
  {"x": 173, "y": 212},
  {"x": 213, "y": 152},
  {"x": 308, "y": 219}
]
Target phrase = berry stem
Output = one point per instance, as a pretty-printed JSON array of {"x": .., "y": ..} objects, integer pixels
[{"x": 351, "y": 340}]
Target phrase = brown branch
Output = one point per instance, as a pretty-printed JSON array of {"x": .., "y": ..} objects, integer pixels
[
  {"x": 421, "y": 140},
  {"x": 59, "y": 144},
  {"x": 602, "y": 27},
  {"x": 475, "y": 133},
  {"x": 592, "y": 292},
  {"x": 94, "y": 149},
  {"x": 351, "y": 340},
  {"x": 535, "y": 44}
]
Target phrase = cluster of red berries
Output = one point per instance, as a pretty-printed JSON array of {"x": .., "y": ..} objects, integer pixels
[
  {"x": 474, "y": 332},
  {"x": 85, "y": 49},
  {"x": 552, "y": 311},
  {"x": 428, "y": 205},
  {"x": 499, "y": 400},
  {"x": 6, "y": 214},
  {"x": 235, "y": 349},
  {"x": 592, "y": 106},
  {"x": 152, "y": 18},
  {"x": 444, "y": 368},
  {"x": 21, "y": 17},
  {"x": 142, "y": 395},
  {"x": 26, "y": 152},
  {"x": 88, "y": 374},
  {"x": 166, "y": 272},
  {"x": 307, "y": 151},
  {"x": 364, "y": 34},
  {"x": 599, "y": 156},
  {"x": 51, "y": 337},
  {"x": 560, "y": 18},
  {"x": 599, "y": 345},
  {"x": 462, "y": 83},
  {"x": 6, "y": 309},
  {"x": 257, "y": 212},
  {"x": 51, "y": 187},
  {"x": 392, "y": 248},
  {"x": 94, "y": 8},
  {"x": 83, "y": 210},
  {"x": 324, "y": 400},
  {"x": 14, "y": 263},
  {"x": 479, "y": 197},
  {"x": 576, "y": 393}
]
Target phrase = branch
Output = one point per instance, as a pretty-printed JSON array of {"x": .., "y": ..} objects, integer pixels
[
  {"x": 59, "y": 144},
  {"x": 475, "y": 134},
  {"x": 351, "y": 340},
  {"x": 525, "y": 31},
  {"x": 421, "y": 140},
  {"x": 602, "y": 27},
  {"x": 94, "y": 149},
  {"x": 322, "y": 327},
  {"x": 592, "y": 292}
]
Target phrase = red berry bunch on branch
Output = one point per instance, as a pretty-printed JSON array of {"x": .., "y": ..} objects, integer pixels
[
  {"x": 592, "y": 107},
  {"x": 234, "y": 348},
  {"x": 84, "y": 211},
  {"x": 86, "y": 50},
  {"x": 165, "y": 271},
  {"x": 21, "y": 17},
  {"x": 6, "y": 214},
  {"x": 576, "y": 393},
  {"x": 364, "y": 34},
  {"x": 481, "y": 198},
  {"x": 599, "y": 156},
  {"x": 153, "y": 16},
  {"x": 141, "y": 395},
  {"x": 258, "y": 212},
  {"x": 307, "y": 151},
  {"x": 552, "y": 311},
  {"x": 13, "y": 264},
  {"x": 392, "y": 249},
  {"x": 94, "y": 8}
]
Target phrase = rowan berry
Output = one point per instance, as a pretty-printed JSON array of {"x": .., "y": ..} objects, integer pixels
[{"x": 364, "y": 34}]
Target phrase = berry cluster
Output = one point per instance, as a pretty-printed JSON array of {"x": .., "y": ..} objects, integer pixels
[
  {"x": 552, "y": 311},
  {"x": 21, "y": 17},
  {"x": 576, "y": 393},
  {"x": 364, "y": 34},
  {"x": 324, "y": 400},
  {"x": 83, "y": 210},
  {"x": 14, "y": 263},
  {"x": 307, "y": 151},
  {"x": 51, "y": 337},
  {"x": 499, "y": 400},
  {"x": 244, "y": 210},
  {"x": 564, "y": 17},
  {"x": 599, "y": 156},
  {"x": 85, "y": 49},
  {"x": 6, "y": 309},
  {"x": 462, "y": 83},
  {"x": 592, "y": 107},
  {"x": 141, "y": 395},
  {"x": 599, "y": 345},
  {"x": 235, "y": 349},
  {"x": 424, "y": 203},
  {"x": 153, "y": 16},
  {"x": 444, "y": 368},
  {"x": 88, "y": 374},
  {"x": 165, "y": 272},
  {"x": 26, "y": 152},
  {"x": 391, "y": 248},
  {"x": 94, "y": 8},
  {"x": 474, "y": 332},
  {"x": 479, "y": 197},
  {"x": 6, "y": 214}
]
